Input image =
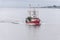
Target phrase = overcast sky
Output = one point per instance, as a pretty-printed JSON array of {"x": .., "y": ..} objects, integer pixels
[{"x": 25, "y": 3}]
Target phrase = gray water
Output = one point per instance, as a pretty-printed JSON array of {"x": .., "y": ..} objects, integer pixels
[{"x": 49, "y": 29}]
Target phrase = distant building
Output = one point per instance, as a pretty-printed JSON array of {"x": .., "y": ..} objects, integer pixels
[{"x": 54, "y": 6}]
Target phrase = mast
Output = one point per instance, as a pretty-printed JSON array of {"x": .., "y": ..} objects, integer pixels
[
  {"x": 30, "y": 10},
  {"x": 34, "y": 13}
]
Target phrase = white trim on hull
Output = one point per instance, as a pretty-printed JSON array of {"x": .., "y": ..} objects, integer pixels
[{"x": 32, "y": 24}]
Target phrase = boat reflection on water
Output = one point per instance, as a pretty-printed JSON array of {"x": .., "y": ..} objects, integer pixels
[{"x": 33, "y": 32}]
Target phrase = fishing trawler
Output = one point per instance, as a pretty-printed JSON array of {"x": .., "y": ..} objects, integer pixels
[{"x": 32, "y": 19}]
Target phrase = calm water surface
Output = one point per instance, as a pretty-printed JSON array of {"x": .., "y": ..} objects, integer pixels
[{"x": 49, "y": 29}]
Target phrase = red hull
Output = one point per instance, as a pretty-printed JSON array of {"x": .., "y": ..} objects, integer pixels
[
  {"x": 34, "y": 21},
  {"x": 34, "y": 24}
]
